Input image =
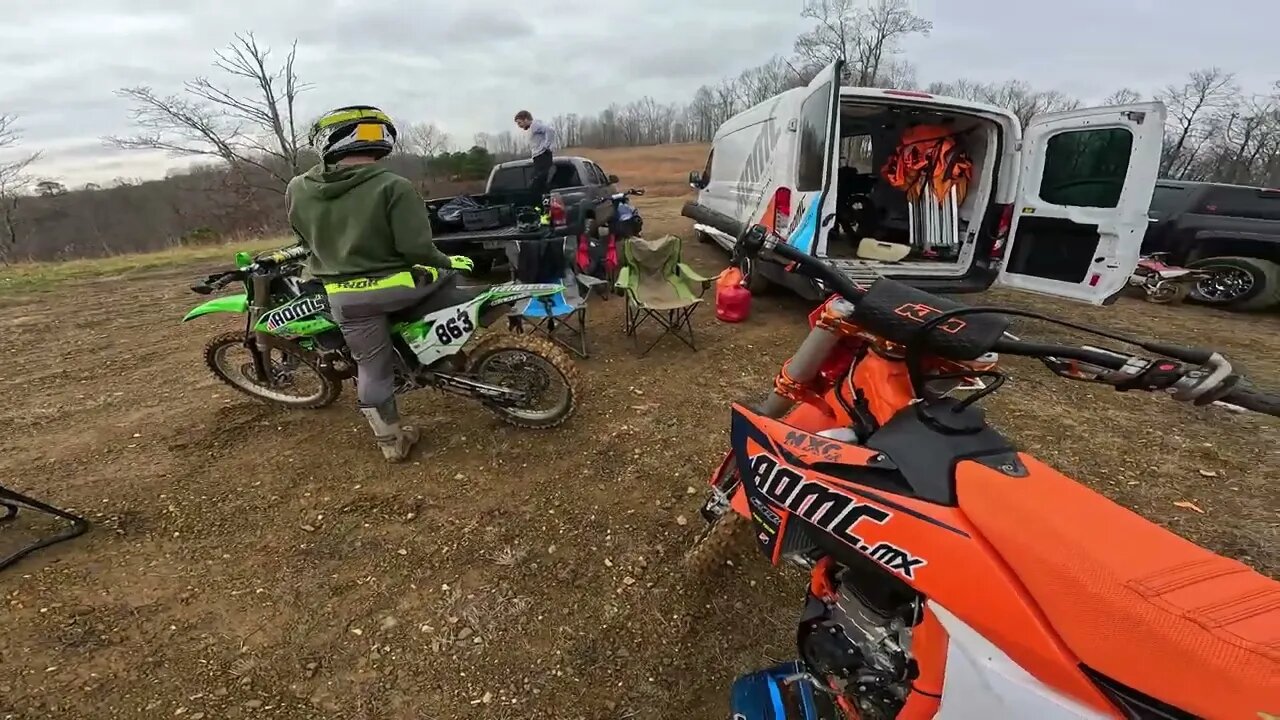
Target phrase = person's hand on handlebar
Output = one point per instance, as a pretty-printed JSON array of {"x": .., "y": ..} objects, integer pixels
[{"x": 461, "y": 262}]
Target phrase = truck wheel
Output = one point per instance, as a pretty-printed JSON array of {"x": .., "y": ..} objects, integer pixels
[{"x": 1238, "y": 283}]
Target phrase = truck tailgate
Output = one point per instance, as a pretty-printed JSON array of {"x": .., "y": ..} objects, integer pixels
[{"x": 498, "y": 236}]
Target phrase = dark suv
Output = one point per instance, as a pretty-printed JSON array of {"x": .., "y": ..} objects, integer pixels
[{"x": 1231, "y": 229}]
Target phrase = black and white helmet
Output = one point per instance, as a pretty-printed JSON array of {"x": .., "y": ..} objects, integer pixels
[{"x": 353, "y": 130}]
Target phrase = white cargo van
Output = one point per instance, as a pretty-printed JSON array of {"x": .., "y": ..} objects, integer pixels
[{"x": 1058, "y": 207}]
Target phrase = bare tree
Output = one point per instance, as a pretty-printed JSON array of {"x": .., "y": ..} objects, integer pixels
[
  {"x": 865, "y": 37},
  {"x": 885, "y": 24},
  {"x": 1193, "y": 107},
  {"x": 424, "y": 139},
  {"x": 14, "y": 181},
  {"x": 50, "y": 188},
  {"x": 568, "y": 129},
  {"x": 1123, "y": 96},
  {"x": 762, "y": 82},
  {"x": 836, "y": 35},
  {"x": 897, "y": 73},
  {"x": 1017, "y": 96},
  {"x": 257, "y": 128}
]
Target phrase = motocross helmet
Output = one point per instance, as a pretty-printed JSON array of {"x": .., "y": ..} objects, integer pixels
[{"x": 353, "y": 130}]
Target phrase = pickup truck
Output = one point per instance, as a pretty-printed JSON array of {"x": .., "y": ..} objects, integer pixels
[
  {"x": 1232, "y": 230},
  {"x": 580, "y": 190}
]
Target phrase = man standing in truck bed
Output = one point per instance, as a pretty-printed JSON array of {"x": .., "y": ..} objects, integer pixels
[{"x": 541, "y": 139}]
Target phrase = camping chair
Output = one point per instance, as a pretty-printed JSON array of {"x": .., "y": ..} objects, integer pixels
[
  {"x": 11, "y": 501},
  {"x": 561, "y": 317},
  {"x": 658, "y": 285}
]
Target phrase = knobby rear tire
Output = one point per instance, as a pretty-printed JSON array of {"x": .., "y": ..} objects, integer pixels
[
  {"x": 549, "y": 352},
  {"x": 722, "y": 540},
  {"x": 330, "y": 388}
]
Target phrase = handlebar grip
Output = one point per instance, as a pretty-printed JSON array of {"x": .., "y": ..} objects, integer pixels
[
  {"x": 1254, "y": 400},
  {"x": 283, "y": 255}
]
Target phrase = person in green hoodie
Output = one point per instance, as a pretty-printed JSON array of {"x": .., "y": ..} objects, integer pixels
[{"x": 369, "y": 234}]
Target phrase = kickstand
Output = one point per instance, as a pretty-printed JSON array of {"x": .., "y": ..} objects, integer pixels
[{"x": 12, "y": 501}]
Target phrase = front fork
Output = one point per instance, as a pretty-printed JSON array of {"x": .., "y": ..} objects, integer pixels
[
  {"x": 802, "y": 369},
  {"x": 257, "y": 342},
  {"x": 799, "y": 373}
]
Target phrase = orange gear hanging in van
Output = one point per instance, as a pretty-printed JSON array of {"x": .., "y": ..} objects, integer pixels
[{"x": 929, "y": 154}]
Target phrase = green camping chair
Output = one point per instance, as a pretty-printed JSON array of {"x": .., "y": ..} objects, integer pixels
[{"x": 658, "y": 285}]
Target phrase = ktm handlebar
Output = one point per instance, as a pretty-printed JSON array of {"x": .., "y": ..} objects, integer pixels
[
  {"x": 1254, "y": 400},
  {"x": 910, "y": 316}
]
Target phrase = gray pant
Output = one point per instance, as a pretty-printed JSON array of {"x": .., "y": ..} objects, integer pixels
[{"x": 362, "y": 317}]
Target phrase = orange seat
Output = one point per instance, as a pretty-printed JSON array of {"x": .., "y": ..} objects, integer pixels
[{"x": 1130, "y": 599}]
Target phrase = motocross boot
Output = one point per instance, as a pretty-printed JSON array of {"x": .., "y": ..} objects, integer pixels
[{"x": 395, "y": 440}]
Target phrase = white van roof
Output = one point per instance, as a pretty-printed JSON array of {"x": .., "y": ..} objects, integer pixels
[{"x": 930, "y": 100}]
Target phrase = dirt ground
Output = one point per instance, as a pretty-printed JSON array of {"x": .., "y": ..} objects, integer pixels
[{"x": 251, "y": 562}]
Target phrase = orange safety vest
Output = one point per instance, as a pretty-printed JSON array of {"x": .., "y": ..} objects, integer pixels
[{"x": 929, "y": 154}]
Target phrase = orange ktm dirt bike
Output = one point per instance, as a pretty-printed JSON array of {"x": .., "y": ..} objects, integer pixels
[{"x": 952, "y": 576}]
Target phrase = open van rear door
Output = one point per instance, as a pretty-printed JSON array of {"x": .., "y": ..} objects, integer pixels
[
  {"x": 818, "y": 131},
  {"x": 1081, "y": 208}
]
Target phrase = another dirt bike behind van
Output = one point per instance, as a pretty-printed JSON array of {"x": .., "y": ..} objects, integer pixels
[
  {"x": 952, "y": 576},
  {"x": 292, "y": 353},
  {"x": 1162, "y": 283}
]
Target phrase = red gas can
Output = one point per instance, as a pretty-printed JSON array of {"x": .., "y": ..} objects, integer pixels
[{"x": 733, "y": 302}]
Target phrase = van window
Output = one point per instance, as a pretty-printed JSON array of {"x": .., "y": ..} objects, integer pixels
[
  {"x": 856, "y": 151},
  {"x": 815, "y": 115},
  {"x": 1086, "y": 168},
  {"x": 706, "y": 172},
  {"x": 1243, "y": 203}
]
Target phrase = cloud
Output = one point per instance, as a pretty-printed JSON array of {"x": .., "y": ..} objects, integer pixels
[{"x": 469, "y": 65}]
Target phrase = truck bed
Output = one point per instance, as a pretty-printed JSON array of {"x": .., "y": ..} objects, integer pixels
[{"x": 496, "y": 235}]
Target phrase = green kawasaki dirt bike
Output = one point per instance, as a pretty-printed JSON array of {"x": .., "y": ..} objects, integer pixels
[{"x": 292, "y": 354}]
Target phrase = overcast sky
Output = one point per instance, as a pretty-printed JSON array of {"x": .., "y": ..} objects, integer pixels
[{"x": 469, "y": 65}]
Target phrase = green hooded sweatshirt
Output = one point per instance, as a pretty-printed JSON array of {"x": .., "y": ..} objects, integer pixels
[{"x": 360, "y": 220}]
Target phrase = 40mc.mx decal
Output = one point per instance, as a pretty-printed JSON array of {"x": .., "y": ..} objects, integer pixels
[{"x": 832, "y": 510}]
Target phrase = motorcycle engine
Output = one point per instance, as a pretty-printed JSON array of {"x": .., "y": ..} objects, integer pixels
[{"x": 860, "y": 649}]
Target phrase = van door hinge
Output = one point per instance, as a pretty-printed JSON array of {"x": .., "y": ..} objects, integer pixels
[
  {"x": 793, "y": 125},
  {"x": 1136, "y": 115}
]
